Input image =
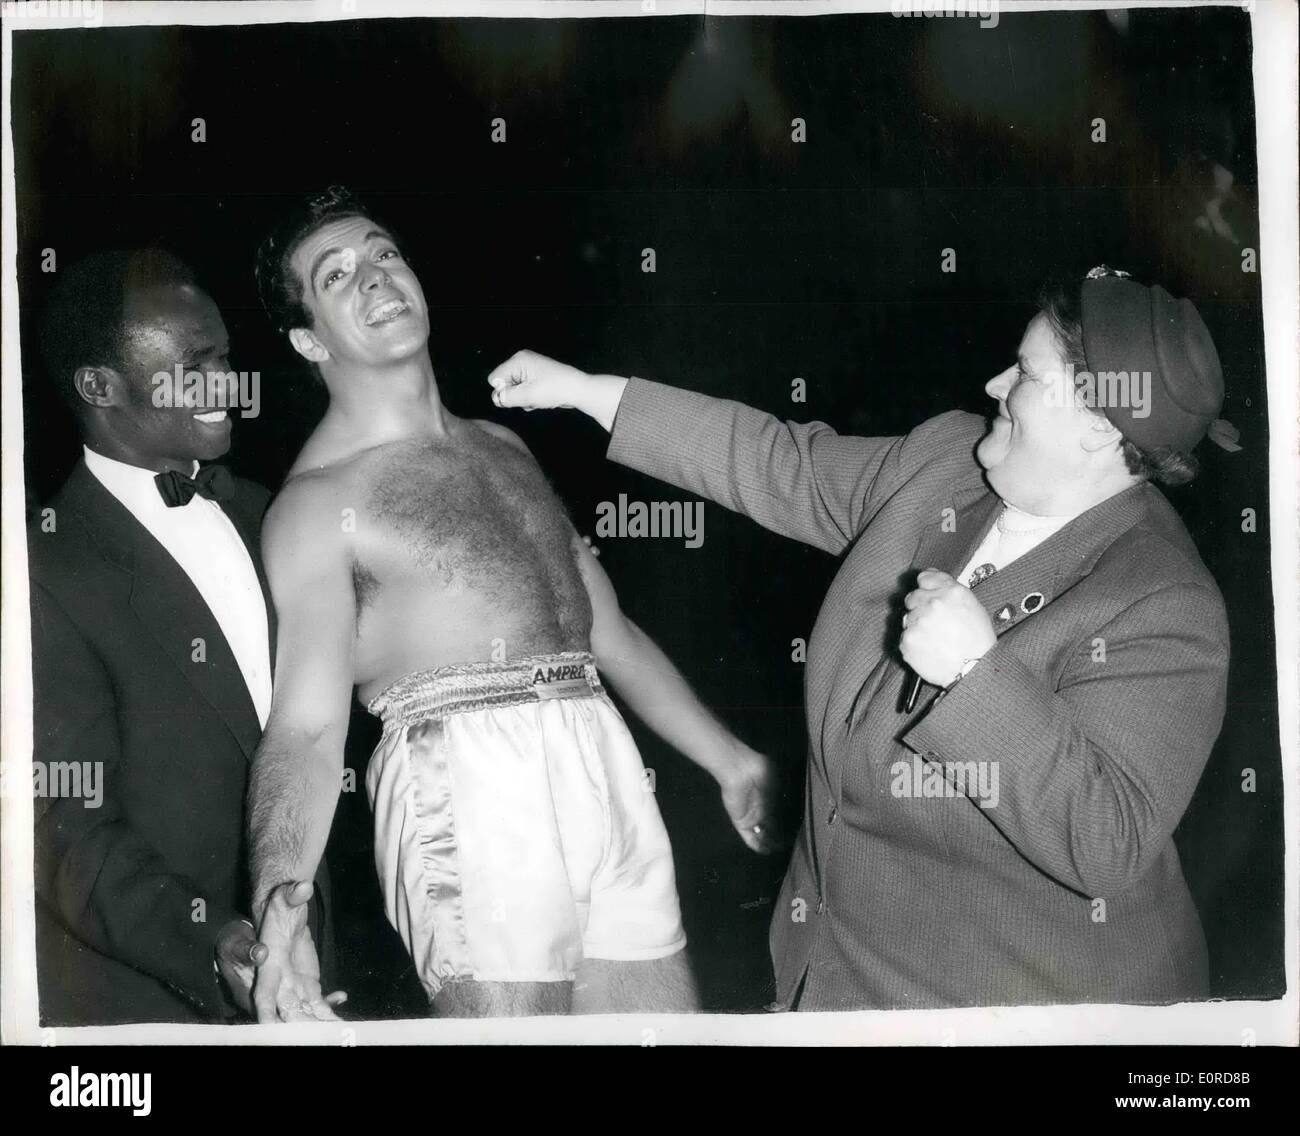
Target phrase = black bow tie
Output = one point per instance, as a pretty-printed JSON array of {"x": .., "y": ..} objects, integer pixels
[{"x": 213, "y": 482}]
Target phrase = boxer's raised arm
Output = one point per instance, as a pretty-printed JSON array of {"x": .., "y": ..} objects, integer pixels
[
  {"x": 802, "y": 480},
  {"x": 660, "y": 696}
]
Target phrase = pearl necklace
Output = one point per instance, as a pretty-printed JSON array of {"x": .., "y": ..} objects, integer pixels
[{"x": 1025, "y": 524}]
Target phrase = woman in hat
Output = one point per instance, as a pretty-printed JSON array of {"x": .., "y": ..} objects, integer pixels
[{"x": 997, "y": 764}]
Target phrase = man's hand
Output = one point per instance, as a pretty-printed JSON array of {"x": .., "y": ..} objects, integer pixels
[
  {"x": 748, "y": 790},
  {"x": 529, "y": 381},
  {"x": 944, "y": 628},
  {"x": 238, "y": 955},
  {"x": 288, "y": 981}
]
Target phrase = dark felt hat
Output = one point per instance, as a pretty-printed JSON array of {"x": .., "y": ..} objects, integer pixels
[{"x": 1130, "y": 327}]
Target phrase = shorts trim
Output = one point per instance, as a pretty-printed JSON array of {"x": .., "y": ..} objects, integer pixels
[
  {"x": 493, "y": 976},
  {"x": 624, "y": 954},
  {"x": 467, "y": 687}
]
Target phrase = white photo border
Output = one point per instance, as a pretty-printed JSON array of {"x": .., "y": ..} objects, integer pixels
[{"x": 1276, "y": 1022}]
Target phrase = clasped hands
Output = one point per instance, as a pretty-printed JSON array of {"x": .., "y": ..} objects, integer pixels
[
  {"x": 944, "y": 628},
  {"x": 287, "y": 987}
]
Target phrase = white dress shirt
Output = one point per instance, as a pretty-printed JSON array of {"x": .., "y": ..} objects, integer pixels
[{"x": 208, "y": 548}]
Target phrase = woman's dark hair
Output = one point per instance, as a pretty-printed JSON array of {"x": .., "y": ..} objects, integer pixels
[
  {"x": 1061, "y": 300},
  {"x": 278, "y": 286}
]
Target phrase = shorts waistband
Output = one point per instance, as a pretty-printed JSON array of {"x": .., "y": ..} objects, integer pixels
[{"x": 478, "y": 686}]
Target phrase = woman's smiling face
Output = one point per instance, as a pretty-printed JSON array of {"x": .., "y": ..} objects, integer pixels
[{"x": 1043, "y": 433}]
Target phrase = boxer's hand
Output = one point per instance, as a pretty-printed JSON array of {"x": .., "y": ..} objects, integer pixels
[
  {"x": 944, "y": 628},
  {"x": 529, "y": 381},
  {"x": 238, "y": 954},
  {"x": 287, "y": 988},
  {"x": 748, "y": 794}
]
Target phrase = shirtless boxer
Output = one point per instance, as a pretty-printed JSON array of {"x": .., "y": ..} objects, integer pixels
[{"x": 423, "y": 559}]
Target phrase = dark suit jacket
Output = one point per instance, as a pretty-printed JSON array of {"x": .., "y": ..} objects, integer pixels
[
  {"x": 131, "y": 895},
  {"x": 1098, "y": 710}
]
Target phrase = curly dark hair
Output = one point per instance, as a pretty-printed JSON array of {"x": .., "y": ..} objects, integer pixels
[
  {"x": 278, "y": 286},
  {"x": 1061, "y": 300}
]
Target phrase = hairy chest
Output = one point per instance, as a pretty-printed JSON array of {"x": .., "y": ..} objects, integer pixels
[{"x": 473, "y": 515}]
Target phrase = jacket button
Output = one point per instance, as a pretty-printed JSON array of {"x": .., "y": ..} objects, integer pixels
[{"x": 833, "y": 814}]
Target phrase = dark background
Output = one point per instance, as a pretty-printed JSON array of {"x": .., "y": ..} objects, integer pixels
[{"x": 775, "y": 260}]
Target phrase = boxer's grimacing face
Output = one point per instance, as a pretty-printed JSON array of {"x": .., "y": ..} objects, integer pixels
[
  {"x": 1039, "y": 438},
  {"x": 366, "y": 304}
]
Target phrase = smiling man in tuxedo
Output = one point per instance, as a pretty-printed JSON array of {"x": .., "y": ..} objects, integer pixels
[{"x": 151, "y": 643}]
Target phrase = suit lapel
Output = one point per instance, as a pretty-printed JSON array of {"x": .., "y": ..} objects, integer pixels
[
  {"x": 946, "y": 544},
  {"x": 949, "y": 540},
  {"x": 168, "y": 606},
  {"x": 1028, "y": 584},
  {"x": 1031, "y": 582}
]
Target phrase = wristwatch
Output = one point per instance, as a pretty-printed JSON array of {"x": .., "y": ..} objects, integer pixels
[{"x": 966, "y": 668}]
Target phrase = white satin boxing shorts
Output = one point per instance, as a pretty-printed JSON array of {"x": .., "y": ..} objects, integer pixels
[{"x": 516, "y": 830}]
